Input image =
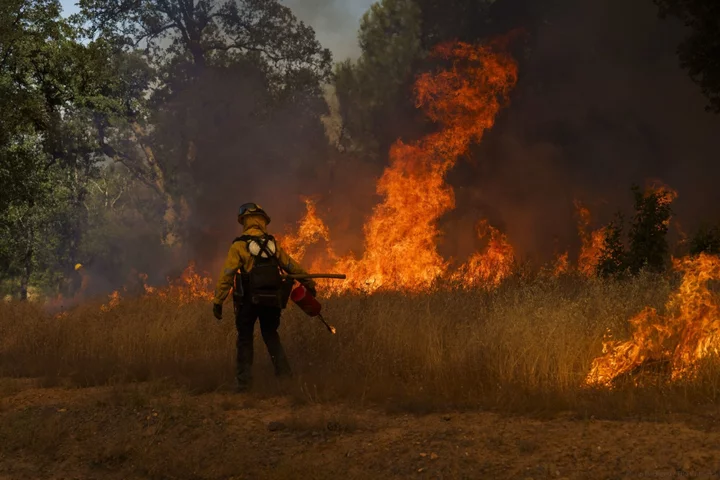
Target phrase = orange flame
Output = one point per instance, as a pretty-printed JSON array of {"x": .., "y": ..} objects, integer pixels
[
  {"x": 689, "y": 333},
  {"x": 311, "y": 229},
  {"x": 491, "y": 266},
  {"x": 592, "y": 242},
  {"x": 400, "y": 236},
  {"x": 113, "y": 303},
  {"x": 666, "y": 195},
  {"x": 189, "y": 287},
  {"x": 561, "y": 265}
]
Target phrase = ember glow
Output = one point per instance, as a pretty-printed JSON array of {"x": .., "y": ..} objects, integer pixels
[
  {"x": 561, "y": 265},
  {"x": 490, "y": 266},
  {"x": 665, "y": 194},
  {"x": 681, "y": 339},
  {"x": 113, "y": 301},
  {"x": 592, "y": 242},
  {"x": 400, "y": 250},
  {"x": 189, "y": 287}
]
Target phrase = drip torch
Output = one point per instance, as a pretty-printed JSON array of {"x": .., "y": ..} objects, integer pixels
[{"x": 306, "y": 301}]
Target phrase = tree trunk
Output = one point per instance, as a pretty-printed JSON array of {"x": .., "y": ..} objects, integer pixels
[
  {"x": 27, "y": 265},
  {"x": 172, "y": 218},
  {"x": 171, "y": 237}
]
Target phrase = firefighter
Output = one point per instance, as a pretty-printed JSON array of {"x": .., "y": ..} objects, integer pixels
[{"x": 253, "y": 271}]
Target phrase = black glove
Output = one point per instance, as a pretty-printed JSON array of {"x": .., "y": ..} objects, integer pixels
[{"x": 217, "y": 311}]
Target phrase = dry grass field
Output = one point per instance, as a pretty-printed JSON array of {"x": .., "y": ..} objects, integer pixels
[{"x": 452, "y": 384}]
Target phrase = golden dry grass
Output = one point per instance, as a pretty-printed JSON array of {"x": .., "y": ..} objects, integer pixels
[{"x": 524, "y": 347}]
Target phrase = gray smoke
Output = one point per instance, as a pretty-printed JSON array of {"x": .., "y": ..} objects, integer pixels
[
  {"x": 601, "y": 103},
  {"x": 335, "y": 21}
]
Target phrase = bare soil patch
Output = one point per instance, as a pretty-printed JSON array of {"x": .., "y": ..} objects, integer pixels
[{"x": 153, "y": 431}]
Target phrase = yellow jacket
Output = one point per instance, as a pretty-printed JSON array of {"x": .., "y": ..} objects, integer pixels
[{"x": 239, "y": 258}]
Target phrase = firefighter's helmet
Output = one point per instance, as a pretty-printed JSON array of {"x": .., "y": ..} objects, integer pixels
[{"x": 251, "y": 209}]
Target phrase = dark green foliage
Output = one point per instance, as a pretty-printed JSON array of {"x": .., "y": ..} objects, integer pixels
[
  {"x": 700, "y": 51},
  {"x": 446, "y": 20},
  {"x": 183, "y": 36},
  {"x": 375, "y": 92},
  {"x": 113, "y": 122},
  {"x": 46, "y": 151},
  {"x": 648, "y": 232},
  {"x": 706, "y": 240},
  {"x": 244, "y": 72},
  {"x": 647, "y": 238},
  {"x": 613, "y": 258}
]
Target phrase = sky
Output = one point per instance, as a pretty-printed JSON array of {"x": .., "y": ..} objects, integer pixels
[
  {"x": 335, "y": 21},
  {"x": 69, "y": 7}
]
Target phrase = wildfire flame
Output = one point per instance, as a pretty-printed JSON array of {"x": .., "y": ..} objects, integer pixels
[
  {"x": 592, "y": 242},
  {"x": 491, "y": 266},
  {"x": 561, "y": 265},
  {"x": 682, "y": 338},
  {"x": 400, "y": 236},
  {"x": 665, "y": 195},
  {"x": 311, "y": 229},
  {"x": 400, "y": 251},
  {"x": 187, "y": 288},
  {"x": 114, "y": 301}
]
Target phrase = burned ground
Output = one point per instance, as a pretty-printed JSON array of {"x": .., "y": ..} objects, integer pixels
[{"x": 151, "y": 431}]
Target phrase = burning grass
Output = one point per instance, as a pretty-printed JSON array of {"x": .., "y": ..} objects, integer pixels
[{"x": 525, "y": 346}]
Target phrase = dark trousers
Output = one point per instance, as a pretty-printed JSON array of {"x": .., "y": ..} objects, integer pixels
[{"x": 245, "y": 317}]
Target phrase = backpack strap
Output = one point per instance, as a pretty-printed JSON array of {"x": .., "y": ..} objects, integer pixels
[
  {"x": 264, "y": 246},
  {"x": 244, "y": 238},
  {"x": 262, "y": 242}
]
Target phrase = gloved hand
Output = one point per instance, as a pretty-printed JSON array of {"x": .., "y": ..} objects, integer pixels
[{"x": 217, "y": 311}]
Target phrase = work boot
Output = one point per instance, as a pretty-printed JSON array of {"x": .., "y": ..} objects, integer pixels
[
  {"x": 276, "y": 351},
  {"x": 280, "y": 361},
  {"x": 282, "y": 367},
  {"x": 244, "y": 381}
]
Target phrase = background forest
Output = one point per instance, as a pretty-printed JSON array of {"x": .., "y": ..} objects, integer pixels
[{"x": 130, "y": 131}]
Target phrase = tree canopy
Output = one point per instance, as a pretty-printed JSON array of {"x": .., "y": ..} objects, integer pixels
[
  {"x": 148, "y": 104},
  {"x": 46, "y": 154},
  {"x": 700, "y": 52},
  {"x": 130, "y": 128},
  {"x": 375, "y": 92}
]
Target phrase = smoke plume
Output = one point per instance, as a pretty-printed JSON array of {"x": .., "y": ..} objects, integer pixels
[
  {"x": 601, "y": 103},
  {"x": 335, "y": 22}
]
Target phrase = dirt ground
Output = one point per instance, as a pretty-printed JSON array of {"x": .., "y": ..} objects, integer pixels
[{"x": 157, "y": 432}]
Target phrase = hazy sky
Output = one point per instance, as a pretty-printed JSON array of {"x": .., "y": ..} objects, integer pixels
[{"x": 335, "y": 21}]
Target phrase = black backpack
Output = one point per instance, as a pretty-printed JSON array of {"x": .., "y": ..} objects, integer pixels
[{"x": 263, "y": 285}]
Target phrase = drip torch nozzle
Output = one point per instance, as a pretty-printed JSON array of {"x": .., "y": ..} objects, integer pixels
[
  {"x": 330, "y": 328},
  {"x": 307, "y": 302}
]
